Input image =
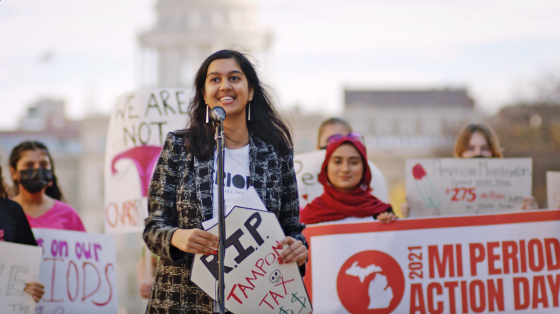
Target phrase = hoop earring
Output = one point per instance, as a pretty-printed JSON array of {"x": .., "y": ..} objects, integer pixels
[
  {"x": 206, "y": 113},
  {"x": 249, "y": 113}
]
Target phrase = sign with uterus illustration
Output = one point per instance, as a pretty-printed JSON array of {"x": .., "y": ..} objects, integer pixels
[
  {"x": 138, "y": 126},
  {"x": 459, "y": 186}
]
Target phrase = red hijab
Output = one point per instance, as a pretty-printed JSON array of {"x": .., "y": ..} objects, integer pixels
[{"x": 336, "y": 205}]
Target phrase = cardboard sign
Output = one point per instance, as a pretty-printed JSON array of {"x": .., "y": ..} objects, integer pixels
[
  {"x": 308, "y": 166},
  {"x": 19, "y": 264},
  {"x": 553, "y": 189},
  {"x": 78, "y": 271},
  {"x": 255, "y": 282},
  {"x": 137, "y": 131},
  {"x": 490, "y": 263},
  {"x": 455, "y": 186}
]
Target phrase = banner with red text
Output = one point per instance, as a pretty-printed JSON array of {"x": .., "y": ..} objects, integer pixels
[
  {"x": 137, "y": 130},
  {"x": 78, "y": 271},
  {"x": 494, "y": 263},
  {"x": 463, "y": 186},
  {"x": 19, "y": 264}
]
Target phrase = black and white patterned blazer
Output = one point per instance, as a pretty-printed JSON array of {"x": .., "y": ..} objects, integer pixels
[{"x": 180, "y": 196}]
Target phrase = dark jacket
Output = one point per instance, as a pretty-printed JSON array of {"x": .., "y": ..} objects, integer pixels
[{"x": 180, "y": 196}]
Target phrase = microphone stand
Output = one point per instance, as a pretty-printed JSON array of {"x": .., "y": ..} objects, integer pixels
[{"x": 220, "y": 149}]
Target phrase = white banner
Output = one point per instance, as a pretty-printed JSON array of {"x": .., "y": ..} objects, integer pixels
[
  {"x": 19, "y": 264},
  {"x": 308, "y": 166},
  {"x": 465, "y": 264},
  {"x": 137, "y": 131},
  {"x": 255, "y": 282},
  {"x": 79, "y": 271},
  {"x": 553, "y": 189},
  {"x": 459, "y": 186}
]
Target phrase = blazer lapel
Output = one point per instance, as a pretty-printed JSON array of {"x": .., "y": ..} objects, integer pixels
[
  {"x": 257, "y": 156},
  {"x": 204, "y": 166}
]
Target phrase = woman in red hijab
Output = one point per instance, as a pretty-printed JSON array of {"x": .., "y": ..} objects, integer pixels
[{"x": 346, "y": 177}]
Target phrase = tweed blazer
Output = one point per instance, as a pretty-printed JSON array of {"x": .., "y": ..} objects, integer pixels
[{"x": 180, "y": 196}]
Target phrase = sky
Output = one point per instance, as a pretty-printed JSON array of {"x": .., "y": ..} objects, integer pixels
[{"x": 86, "y": 52}]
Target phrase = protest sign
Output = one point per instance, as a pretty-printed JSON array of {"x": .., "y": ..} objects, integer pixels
[
  {"x": 78, "y": 271},
  {"x": 459, "y": 186},
  {"x": 553, "y": 189},
  {"x": 255, "y": 282},
  {"x": 137, "y": 131},
  {"x": 484, "y": 263},
  {"x": 19, "y": 264},
  {"x": 308, "y": 166}
]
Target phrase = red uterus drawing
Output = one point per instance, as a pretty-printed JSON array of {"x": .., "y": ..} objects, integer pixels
[{"x": 144, "y": 157}]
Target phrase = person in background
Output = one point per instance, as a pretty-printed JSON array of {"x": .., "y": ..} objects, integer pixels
[
  {"x": 331, "y": 127},
  {"x": 37, "y": 191},
  {"x": 345, "y": 176},
  {"x": 338, "y": 126},
  {"x": 15, "y": 228},
  {"x": 478, "y": 140}
]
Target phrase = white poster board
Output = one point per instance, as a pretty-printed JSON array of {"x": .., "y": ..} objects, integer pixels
[
  {"x": 553, "y": 189},
  {"x": 255, "y": 282},
  {"x": 19, "y": 264},
  {"x": 458, "y": 186},
  {"x": 488, "y": 263},
  {"x": 79, "y": 271},
  {"x": 308, "y": 166},
  {"x": 138, "y": 126}
]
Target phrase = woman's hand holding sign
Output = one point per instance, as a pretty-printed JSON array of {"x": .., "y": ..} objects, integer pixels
[
  {"x": 295, "y": 252},
  {"x": 195, "y": 241}
]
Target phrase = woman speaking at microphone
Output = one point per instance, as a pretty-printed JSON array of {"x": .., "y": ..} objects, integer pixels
[{"x": 183, "y": 192}]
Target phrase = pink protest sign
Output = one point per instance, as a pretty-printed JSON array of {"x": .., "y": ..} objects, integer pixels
[
  {"x": 78, "y": 270},
  {"x": 137, "y": 130}
]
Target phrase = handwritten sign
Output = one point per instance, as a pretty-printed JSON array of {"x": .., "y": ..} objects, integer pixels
[
  {"x": 255, "y": 282},
  {"x": 19, "y": 264},
  {"x": 453, "y": 186},
  {"x": 553, "y": 189},
  {"x": 78, "y": 271},
  {"x": 308, "y": 166},
  {"x": 488, "y": 263},
  {"x": 137, "y": 131}
]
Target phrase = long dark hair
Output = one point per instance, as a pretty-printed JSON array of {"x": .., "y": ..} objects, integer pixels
[
  {"x": 3, "y": 190},
  {"x": 265, "y": 122},
  {"x": 53, "y": 190}
]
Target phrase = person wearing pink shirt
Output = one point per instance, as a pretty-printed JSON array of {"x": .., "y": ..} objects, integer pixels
[{"x": 37, "y": 191}]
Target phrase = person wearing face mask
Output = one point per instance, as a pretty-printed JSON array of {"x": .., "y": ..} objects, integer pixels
[
  {"x": 346, "y": 176},
  {"x": 478, "y": 140},
  {"x": 15, "y": 228},
  {"x": 37, "y": 191}
]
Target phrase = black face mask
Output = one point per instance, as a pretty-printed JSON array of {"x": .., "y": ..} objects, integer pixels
[
  {"x": 34, "y": 180},
  {"x": 479, "y": 156}
]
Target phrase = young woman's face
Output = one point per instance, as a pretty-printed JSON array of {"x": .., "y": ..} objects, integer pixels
[
  {"x": 345, "y": 168},
  {"x": 478, "y": 146},
  {"x": 227, "y": 86},
  {"x": 31, "y": 159},
  {"x": 330, "y": 130}
]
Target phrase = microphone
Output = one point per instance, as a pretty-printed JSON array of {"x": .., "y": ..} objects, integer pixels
[{"x": 217, "y": 114}]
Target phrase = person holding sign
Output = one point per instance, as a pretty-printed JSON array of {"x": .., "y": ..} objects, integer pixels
[
  {"x": 478, "y": 140},
  {"x": 15, "y": 228},
  {"x": 183, "y": 190},
  {"x": 346, "y": 176},
  {"x": 37, "y": 191}
]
